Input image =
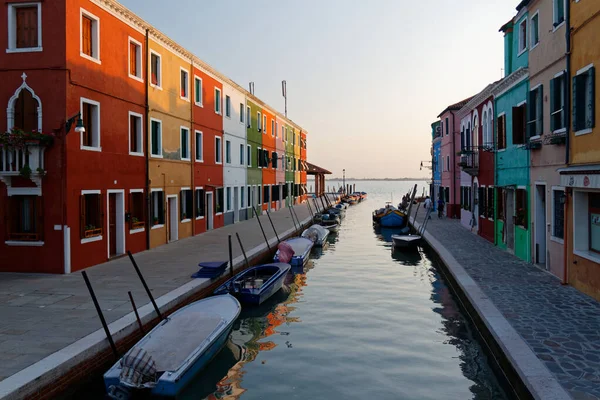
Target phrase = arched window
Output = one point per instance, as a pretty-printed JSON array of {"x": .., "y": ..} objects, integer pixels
[
  {"x": 486, "y": 140},
  {"x": 24, "y": 109},
  {"x": 475, "y": 130},
  {"x": 490, "y": 124}
]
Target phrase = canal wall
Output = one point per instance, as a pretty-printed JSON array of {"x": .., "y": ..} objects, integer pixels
[
  {"x": 526, "y": 375},
  {"x": 66, "y": 370}
]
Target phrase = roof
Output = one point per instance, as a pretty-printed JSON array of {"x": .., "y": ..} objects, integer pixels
[
  {"x": 506, "y": 26},
  {"x": 456, "y": 106},
  {"x": 312, "y": 169}
]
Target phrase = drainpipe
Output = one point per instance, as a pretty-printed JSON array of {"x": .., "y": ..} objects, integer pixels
[
  {"x": 568, "y": 80},
  {"x": 192, "y": 139},
  {"x": 146, "y": 137},
  {"x": 453, "y": 164}
]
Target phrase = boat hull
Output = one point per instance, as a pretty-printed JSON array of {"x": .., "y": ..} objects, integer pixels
[
  {"x": 406, "y": 241},
  {"x": 300, "y": 257},
  {"x": 256, "y": 296},
  {"x": 393, "y": 219}
]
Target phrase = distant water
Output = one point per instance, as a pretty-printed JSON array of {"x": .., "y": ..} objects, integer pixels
[{"x": 363, "y": 322}]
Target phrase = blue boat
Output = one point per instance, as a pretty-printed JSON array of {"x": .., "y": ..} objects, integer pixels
[
  {"x": 164, "y": 361},
  {"x": 301, "y": 247},
  {"x": 256, "y": 284},
  {"x": 393, "y": 219}
]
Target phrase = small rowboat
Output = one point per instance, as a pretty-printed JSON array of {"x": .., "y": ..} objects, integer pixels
[
  {"x": 406, "y": 241},
  {"x": 256, "y": 284},
  {"x": 332, "y": 227},
  {"x": 301, "y": 247},
  {"x": 165, "y": 360},
  {"x": 317, "y": 234}
]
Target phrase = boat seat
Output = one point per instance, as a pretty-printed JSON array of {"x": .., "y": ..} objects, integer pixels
[{"x": 178, "y": 337}]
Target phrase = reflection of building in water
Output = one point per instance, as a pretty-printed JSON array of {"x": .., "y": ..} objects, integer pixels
[{"x": 246, "y": 341}]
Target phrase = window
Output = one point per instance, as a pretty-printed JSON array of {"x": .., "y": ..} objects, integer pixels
[
  {"x": 521, "y": 208},
  {"x": 276, "y": 130},
  {"x": 266, "y": 194},
  {"x": 135, "y": 59},
  {"x": 217, "y": 101},
  {"x": 264, "y": 125},
  {"x": 186, "y": 204},
  {"x": 557, "y": 102},
  {"x": 248, "y": 117},
  {"x": 156, "y": 137},
  {"x": 198, "y": 91},
  {"x": 25, "y": 111},
  {"x": 274, "y": 160},
  {"x": 136, "y": 144},
  {"x": 157, "y": 204},
  {"x": 594, "y": 218},
  {"x": 91, "y": 215},
  {"x": 219, "y": 201},
  {"x": 241, "y": 113},
  {"x": 199, "y": 203},
  {"x": 228, "y": 152},
  {"x": 241, "y": 154},
  {"x": 227, "y": 106},
  {"x": 501, "y": 132},
  {"x": 583, "y": 100},
  {"x": 24, "y": 27},
  {"x": 535, "y": 30},
  {"x": 259, "y": 158},
  {"x": 447, "y": 163},
  {"x": 558, "y": 214},
  {"x": 259, "y": 194},
  {"x": 522, "y": 36},
  {"x": 242, "y": 196},
  {"x": 199, "y": 147},
  {"x": 518, "y": 128},
  {"x": 184, "y": 84},
  {"x": 25, "y": 218},
  {"x": 249, "y": 155},
  {"x": 259, "y": 121},
  {"x": 447, "y": 130},
  {"x": 137, "y": 218},
  {"x": 228, "y": 198},
  {"x": 249, "y": 203},
  {"x": 283, "y": 134},
  {"x": 218, "y": 150},
  {"x": 490, "y": 202},
  {"x": 559, "y": 12},
  {"x": 273, "y": 129},
  {"x": 185, "y": 144},
  {"x": 482, "y": 201},
  {"x": 90, "y": 36},
  {"x": 535, "y": 123},
  {"x": 90, "y": 113},
  {"x": 155, "y": 70}
]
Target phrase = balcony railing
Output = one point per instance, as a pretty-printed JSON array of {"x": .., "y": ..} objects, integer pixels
[
  {"x": 469, "y": 160},
  {"x": 14, "y": 161}
]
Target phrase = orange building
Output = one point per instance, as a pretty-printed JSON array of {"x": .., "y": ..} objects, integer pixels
[{"x": 270, "y": 189}]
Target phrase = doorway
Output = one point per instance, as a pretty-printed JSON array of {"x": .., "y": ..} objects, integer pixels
[
  {"x": 540, "y": 224},
  {"x": 510, "y": 219},
  {"x": 173, "y": 220},
  {"x": 116, "y": 223},
  {"x": 209, "y": 211},
  {"x": 236, "y": 205},
  {"x": 475, "y": 214}
]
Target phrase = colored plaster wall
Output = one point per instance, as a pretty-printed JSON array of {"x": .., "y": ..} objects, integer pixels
[
  {"x": 303, "y": 177},
  {"x": 112, "y": 167},
  {"x": 485, "y": 175},
  {"x": 254, "y": 139},
  {"x": 268, "y": 143},
  {"x": 520, "y": 60},
  {"x": 289, "y": 155},
  {"x": 437, "y": 170},
  {"x": 280, "y": 146},
  {"x": 50, "y": 86}
]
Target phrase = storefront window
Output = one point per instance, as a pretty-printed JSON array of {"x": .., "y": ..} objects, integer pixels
[{"x": 594, "y": 218}]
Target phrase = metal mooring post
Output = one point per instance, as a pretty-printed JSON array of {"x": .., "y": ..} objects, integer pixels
[
  {"x": 230, "y": 257},
  {"x": 243, "y": 251},
  {"x": 293, "y": 220},
  {"x": 137, "y": 316},
  {"x": 273, "y": 226},
  {"x": 261, "y": 228},
  {"x": 145, "y": 285}
]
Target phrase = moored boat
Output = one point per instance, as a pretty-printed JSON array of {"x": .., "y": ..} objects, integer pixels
[
  {"x": 301, "y": 247},
  {"x": 165, "y": 360},
  {"x": 390, "y": 217},
  {"x": 406, "y": 241},
  {"x": 256, "y": 284},
  {"x": 317, "y": 233}
]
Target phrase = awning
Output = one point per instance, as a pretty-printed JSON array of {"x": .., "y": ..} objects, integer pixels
[{"x": 581, "y": 176}]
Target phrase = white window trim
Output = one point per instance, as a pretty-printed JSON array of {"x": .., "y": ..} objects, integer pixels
[
  {"x": 12, "y": 30},
  {"x": 265, "y": 122},
  {"x": 216, "y": 139},
  {"x": 95, "y": 238},
  {"x": 242, "y": 115},
  {"x": 225, "y": 151},
  {"x": 201, "y": 159},
  {"x": 225, "y": 113},
  {"x": 139, "y": 60},
  {"x": 248, "y": 117},
  {"x": 220, "y": 112},
  {"x": 159, "y": 72},
  {"x": 552, "y": 237},
  {"x": 188, "y": 143},
  {"x": 183, "y": 221},
  {"x": 536, "y": 13},
  {"x": 580, "y": 72},
  {"x": 160, "y": 141},
  {"x": 257, "y": 158},
  {"x": 152, "y": 190},
  {"x": 200, "y": 103},
  {"x": 132, "y": 231},
  {"x": 524, "y": 49},
  {"x": 141, "y": 117},
  {"x": 557, "y": 27},
  {"x": 259, "y": 121},
  {"x": 187, "y": 91},
  {"x": 95, "y": 103},
  {"x": 586, "y": 253},
  {"x": 199, "y": 188},
  {"x": 243, "y": 155},
  {"x": 83, "y": 12}
]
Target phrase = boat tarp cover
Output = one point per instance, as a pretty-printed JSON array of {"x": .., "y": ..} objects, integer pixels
[
  {"x": 178, "y": 337},
  {"x": 286, "y": 252},
  {"x": 138, "y": 368}
]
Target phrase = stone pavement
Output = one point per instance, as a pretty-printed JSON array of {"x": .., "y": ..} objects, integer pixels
[
  {"x": 559, "y": 323},
  {"x": 41, "y": 314}
]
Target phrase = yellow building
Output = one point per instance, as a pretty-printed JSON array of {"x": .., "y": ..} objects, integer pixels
[{"x": 581, "y": 177}]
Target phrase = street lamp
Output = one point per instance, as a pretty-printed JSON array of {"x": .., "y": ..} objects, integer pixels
[
  {"x": 79, "y": 128},
  {"x": 344, "y": 179}
]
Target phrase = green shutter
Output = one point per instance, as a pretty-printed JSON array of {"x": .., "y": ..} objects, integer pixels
[
  {"x": 575, "y": 105},
  {"x": 552, "y": 104},
  {"x": 540, "y": 111},
  {"x": 591, "y": 101},
  {"x": 530, "y": 115}
]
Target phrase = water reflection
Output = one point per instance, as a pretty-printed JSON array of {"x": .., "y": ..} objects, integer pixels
[
  {"x": 408, "y": 257},
  {"x": 385, "y": 234}
]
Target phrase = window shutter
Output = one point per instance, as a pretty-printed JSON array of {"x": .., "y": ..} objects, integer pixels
[
  {"x": 86, "y": 36},
  {"x": 181, "y": 194},
  {"x": 591, "y": 103},
  {"x": 132, "y": 59},
  {"x": 82, "y": 216},
  {"x": 131, "y": 210},
  {"x": 575, "y": 104},
  {"x": 540, "y": 111},
  {"x": 552, "y": 104},
  {"x": 101, "y": 212},
  {"x": 39, "y": 225}
]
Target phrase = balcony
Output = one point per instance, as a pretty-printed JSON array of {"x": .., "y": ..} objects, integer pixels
[
  {"x": 27, "y": 161},
  {"x": 469, "y": 160}
]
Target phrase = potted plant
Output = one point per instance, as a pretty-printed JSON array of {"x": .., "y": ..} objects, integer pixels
[
  {"x": 155, "y": 221},
  {"x": 25, "y": 172},
  {"x": 19, "y": 139},
  {"x": 41, "y": 171}
]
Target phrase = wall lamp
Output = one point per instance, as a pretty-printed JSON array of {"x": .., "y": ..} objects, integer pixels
[{"x": 79, "y": 128}]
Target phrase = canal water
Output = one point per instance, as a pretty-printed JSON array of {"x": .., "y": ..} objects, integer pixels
[{"x": 360, "y": 322}]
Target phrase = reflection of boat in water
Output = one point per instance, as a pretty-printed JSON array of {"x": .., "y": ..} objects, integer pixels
[
  {"x": 385, "y": 234},
  {"x": 409, "y": 258}
]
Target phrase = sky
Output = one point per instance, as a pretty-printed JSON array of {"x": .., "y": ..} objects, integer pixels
[{"x": 365, "y": 78}]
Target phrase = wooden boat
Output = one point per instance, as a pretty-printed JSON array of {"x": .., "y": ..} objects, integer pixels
[
  {"x": 317, "y": 234},
  {"x": 256, "y": 284},
  {"x": 390, "y": 217},
  {"x": 341, "y": 206},
  {"x": 301, "y": 248},
  {"x": 165, "y": 360},
  {"x": 406, "y": 241}
]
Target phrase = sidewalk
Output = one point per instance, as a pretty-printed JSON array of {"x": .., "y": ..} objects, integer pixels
[
  {"x": 560, "y": 324},
  {"x": 42, "y": 314}
]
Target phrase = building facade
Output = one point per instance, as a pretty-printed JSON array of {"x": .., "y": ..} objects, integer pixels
[
  {"x": 436, "y": 164},
  {"x": 138, "y": 162}
]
